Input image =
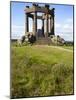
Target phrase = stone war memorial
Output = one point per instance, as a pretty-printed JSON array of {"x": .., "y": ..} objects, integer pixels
[
  {"x": 47, "y": 19},
  {"x": 42, "y": 62}
]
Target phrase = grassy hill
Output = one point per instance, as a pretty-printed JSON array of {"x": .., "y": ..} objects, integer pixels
[{"x": 41, "y": 71}]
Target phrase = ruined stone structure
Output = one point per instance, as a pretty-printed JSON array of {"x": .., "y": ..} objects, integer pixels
[{"x": 47, "y": 16}]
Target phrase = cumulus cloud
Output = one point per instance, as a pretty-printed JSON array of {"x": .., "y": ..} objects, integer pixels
[
  {"x": 17, "y": 31},
  {"x": 70, "y": 20},
  {"x": 57, "y": 25},
  {"x": 65, "y": 29}
]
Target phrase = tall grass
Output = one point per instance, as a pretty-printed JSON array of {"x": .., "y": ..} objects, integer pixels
[{"x": 41, "y": 71}]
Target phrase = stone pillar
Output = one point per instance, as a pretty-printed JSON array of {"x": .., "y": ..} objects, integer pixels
[
  {"x": 46, "y": 35},
  {"x": 50, "y": 24},
  {"x": 52, "y": 30},
  {"x": 53, "y": 22},
  {"x": 43, "y": 27},
  {"x": 27, "y": 24},
  {"x": 35, "y": 24}
]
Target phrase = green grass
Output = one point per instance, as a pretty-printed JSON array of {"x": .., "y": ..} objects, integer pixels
[
  {"x": 68, "y": 47},
  {"x": 40, "y": 71}
]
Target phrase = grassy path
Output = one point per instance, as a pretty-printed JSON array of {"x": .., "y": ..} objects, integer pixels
[
  {"x": 56, "y": 47},
  {"x": 61, "y": 48}
]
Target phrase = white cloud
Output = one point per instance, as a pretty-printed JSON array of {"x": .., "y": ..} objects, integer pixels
[
  {"x": 65, "y": 29},
  {"x": 66, "y": 26},
  {"x": 70, "y": 20},
  {"x": 57, "y": 25},
  {"x": 17, "y": 26},
  {"x": 17, "y": 31}
]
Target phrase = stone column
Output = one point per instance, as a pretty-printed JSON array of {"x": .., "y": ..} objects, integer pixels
[
  {"x": 50, "y": 24},
  {"x": 35, "y": 24},
  {"x": 46, "y": 26},
  {"x": 53, "y": 22},
  {"x": 52, "y": 30},
  {"x": 43, "y": 27},
  {"x": 27, "y": 24}
]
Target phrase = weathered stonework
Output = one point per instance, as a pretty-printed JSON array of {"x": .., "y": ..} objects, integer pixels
[{"x": 48, "y": 16}]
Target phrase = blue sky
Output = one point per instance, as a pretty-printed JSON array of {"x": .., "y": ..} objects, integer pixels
[{"x": 63, "y": 20}]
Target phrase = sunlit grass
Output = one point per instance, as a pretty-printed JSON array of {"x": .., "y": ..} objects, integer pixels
[{"x": 41, "y": 71}]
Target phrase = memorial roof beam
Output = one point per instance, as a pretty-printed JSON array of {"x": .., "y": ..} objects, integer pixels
[
  {"x": 30, "y": 10},
  {"x": 30, "y": 15},
  {"x": 36, "y": 9}
]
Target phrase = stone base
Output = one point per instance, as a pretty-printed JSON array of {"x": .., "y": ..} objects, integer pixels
[{"x": 43, "y": 41}]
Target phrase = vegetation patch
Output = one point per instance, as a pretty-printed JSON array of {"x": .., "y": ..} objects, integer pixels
[{"x": 40, "y": 71}]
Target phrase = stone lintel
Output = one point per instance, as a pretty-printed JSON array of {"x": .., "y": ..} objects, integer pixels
[
  {"x": 30, "y": 15},
  {"x": 29, "y": 10},
  {"x": 37, "y": 9},
  {"x": 29, "y": 33}
]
